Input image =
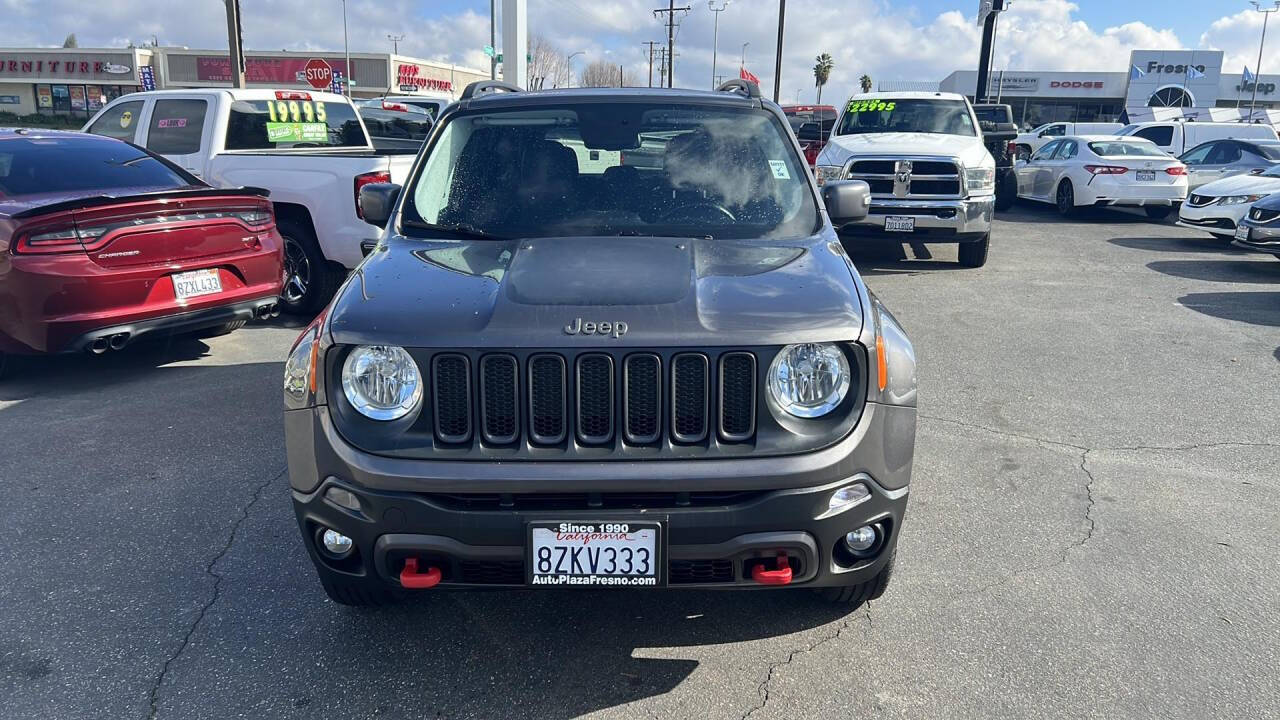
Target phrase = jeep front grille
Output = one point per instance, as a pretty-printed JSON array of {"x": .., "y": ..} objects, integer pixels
[{"x": 927, "y": 178}]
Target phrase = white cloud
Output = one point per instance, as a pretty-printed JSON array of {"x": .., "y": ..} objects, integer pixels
[{"x": 1237, "y": 35}]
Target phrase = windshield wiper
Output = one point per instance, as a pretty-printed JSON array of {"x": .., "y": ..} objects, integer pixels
[{"x": 465, "y": 230}]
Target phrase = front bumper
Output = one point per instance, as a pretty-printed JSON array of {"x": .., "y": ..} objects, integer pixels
[
  {"x": 935, "y": 220},
  {"x": 721, "y": 517},
  {"x": 1260, "y": 239},
  {"x": 1213, "y": 218}
]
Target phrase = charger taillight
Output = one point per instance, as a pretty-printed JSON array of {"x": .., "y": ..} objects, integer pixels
[
  {"x": 48, "y": 240},
  {"x": 368, "y": 179}
]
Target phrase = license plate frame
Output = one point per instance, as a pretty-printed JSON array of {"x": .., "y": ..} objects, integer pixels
[
  {"x": 1242, "y": 232},
  {"x": 654, "y": 530},
  {"x": 1146, "y": 175},
  {"x": 899, "y": 223},
  {"x": 196, "y": 283}
]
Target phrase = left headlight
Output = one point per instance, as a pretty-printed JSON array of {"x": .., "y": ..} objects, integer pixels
[
  {"x": 382, "y": 382},
  {"x": 980, "y": 180},
  {"x": 827, "y": 173},
  {"x": 1239, "y": 199},
  {"x": 810, "y": 379}
]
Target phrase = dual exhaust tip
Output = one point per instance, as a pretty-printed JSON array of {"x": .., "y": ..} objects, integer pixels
[
  {"x": 109, "y": 342},
  {"x": 263, "y": 312}
]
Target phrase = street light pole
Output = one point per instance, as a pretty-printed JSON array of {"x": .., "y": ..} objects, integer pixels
[
  {"x": 1257, "y": 78},
  {"x": 568, "y": 65},
  {"x": 743, "y": 66},
  {"x": 715, "y": 42},
  {"x": 346, "y": 50},
  {"x": 777, "y": 63},
  {"x": 493, "y": 39},
  {"x": 395, "y": 43}
]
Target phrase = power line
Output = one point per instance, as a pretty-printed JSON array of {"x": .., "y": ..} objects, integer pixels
[
  {"x": 650, "y": 43},
  {"x": 671, "y": 11}
]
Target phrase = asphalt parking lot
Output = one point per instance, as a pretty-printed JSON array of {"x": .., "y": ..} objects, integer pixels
[{"x": 1093, "y": 529}]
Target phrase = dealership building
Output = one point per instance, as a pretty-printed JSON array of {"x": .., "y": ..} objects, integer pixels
[
  {"x": 1157, "y": 85},
  {"x": 79, "y": 81}
]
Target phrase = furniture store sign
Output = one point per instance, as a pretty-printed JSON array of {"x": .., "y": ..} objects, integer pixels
[{"x": 67, "y": 66}]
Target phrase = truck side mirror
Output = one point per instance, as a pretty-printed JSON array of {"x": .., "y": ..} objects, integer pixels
[
  {"x": 376, "y": 202},
  {"x": 847, "y": 201}
]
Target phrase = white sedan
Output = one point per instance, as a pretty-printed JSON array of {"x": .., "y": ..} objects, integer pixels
[
  {"x": 1086, "y": 170},
  {"x": 1219, "y": 206}
]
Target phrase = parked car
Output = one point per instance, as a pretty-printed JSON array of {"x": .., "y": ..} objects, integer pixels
[
  {"x": 1219, "y": 206},
  {"x": 932, "y": 179},
  {"x": 309, "y": 149},
  {"x": 1260, "y": 230},
  {"x": 667, "y": 377},
  {"x": 393, "y": 125},
  {"x": 102, "y": 243},
  {"x": 812, "y": 125},
  {"x": 433, "y": 103},
  {"x": 1103, "y": 170},
  {"x": 1028, "y": 142},
  {"x": 1177, "y": 137},
  {"x": 1218, "y": 159},
  {"x": 998, "y": 134}
]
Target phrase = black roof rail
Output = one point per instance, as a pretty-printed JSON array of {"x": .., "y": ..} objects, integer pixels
[
  {"x": 482, "y": 87},
  {"x": 742, "y": 87}
]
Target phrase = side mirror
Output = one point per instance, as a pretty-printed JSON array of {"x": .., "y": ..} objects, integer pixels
[
  {"x": 847, "y": 201},
  {"x": 376, "y": 202}
]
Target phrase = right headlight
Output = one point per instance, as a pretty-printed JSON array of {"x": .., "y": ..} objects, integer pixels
[
  {"x": 827, "y": 173},
  {"x": 809, "y": 380},
  {"x": 382, "y": 382}
]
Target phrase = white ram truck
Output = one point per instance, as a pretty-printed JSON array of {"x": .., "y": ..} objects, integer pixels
[
  {"x": 310, "y": 149},
  {"x": 932, "y": 179}
]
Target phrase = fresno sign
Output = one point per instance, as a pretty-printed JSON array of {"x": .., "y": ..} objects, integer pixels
[
  {"x": 1156, "y": 68},
  {"x": 410, "y": 77}
]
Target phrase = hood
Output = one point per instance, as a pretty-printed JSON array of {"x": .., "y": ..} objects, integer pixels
[
  {"x": 665, "y": 292},
  {"x": 970, "y": 150},
  {"x": 1239, "y": 185}
]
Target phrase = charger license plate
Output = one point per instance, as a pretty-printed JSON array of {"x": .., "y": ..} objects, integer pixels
[
  {"x": 898, "y": 223},
  {"x": 612, "y": 553},
  {"x": 187, "y": 285}
]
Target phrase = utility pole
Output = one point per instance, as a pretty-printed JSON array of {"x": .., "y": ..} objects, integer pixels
[
  {"x": 715, "y": 42},
  {"x": 743, "y": 66},
  {"x": 493, "y": 39},
  {"x": 671, "y": 11},
  {"x": 395, "y": 43},
  {"x": 234, "y": 43},
  {"x": 777, "y": 63},
  {"x": 346, "y": 50},
  {"x": 1257, "y": 78},
  {"x": 650, "y": 43}
]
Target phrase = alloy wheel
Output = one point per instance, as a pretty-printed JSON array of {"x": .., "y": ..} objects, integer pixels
[{"x": 297, "y": 269}]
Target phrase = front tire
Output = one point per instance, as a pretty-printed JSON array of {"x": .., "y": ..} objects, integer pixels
[
  {"x": 1006, "y": 191},
  {"x": 974, "y": 254},
  {"x": 310, "y": 280},
  {"x": 857, "y": 594},
  {"x": 1158, "y": 212},
  {"x": 1066, "y": 199}
]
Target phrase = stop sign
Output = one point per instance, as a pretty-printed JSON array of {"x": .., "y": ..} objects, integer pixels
[{"x": 318, "y": 73}]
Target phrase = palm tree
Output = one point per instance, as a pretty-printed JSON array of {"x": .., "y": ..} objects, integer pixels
[
  {"x": 822, "y": 72},
  {"x": 865, "y": 82}
]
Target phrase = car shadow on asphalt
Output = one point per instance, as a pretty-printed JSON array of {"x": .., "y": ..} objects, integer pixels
[
  {"x": 875, "y": 257},
  {"x": 31, "y": 375},
  {"x": 572, "y": 652},
  {"x": 1255, "y": 308},
  {"x": 1033, "y": 212},
  {"x": 1175, "y": 243},
  {"x": 1227, "y": 271}
]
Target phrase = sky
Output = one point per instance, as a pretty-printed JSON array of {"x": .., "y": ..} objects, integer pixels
[{"x": 920, "y": 40}]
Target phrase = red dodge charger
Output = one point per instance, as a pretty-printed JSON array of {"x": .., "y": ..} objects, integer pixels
[{"x": 102, "y": 242}]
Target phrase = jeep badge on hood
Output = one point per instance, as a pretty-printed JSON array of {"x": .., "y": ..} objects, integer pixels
[{"x": 604, "y": 327}]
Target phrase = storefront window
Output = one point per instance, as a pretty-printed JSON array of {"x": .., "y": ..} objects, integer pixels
[{"x": 61, "y": 99}]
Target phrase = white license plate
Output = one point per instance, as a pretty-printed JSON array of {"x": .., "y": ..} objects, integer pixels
[
  {"x": 897, "y": 223},
  {"x": 595, "y": 554},
  {"x": 1146, "y": 176},
  {"x": 1242, "y": 232},
  {"x": 196, "y": 283}
]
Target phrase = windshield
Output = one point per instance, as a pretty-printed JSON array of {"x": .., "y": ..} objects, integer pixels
[
  {"x": 613, "y": 169},
  {"x": 273, "y": 124},
  {"x": 1270, "y": 151},
  {"x": 1121, "y": 148},
  {"x": 946, "y": 117}
]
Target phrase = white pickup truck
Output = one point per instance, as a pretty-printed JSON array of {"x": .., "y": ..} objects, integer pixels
[
  {"x": 310, "y": 149},
  {"x": 932, "y": 179}
]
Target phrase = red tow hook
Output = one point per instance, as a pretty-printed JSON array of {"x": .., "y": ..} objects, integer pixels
[
  {"x": 781, "y": 576},
  {"x": 411, "y": 578}
]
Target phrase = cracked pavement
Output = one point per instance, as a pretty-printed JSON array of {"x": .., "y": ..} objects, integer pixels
[{"x": 1093, "y": 529}]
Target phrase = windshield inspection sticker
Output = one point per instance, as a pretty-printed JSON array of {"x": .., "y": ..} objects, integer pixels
[
  {"x": 779, "y": 169},
  {"x": 297, "y": 132}
]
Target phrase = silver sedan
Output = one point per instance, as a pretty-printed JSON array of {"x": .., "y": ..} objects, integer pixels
[{"x": 1218, "y": 159}]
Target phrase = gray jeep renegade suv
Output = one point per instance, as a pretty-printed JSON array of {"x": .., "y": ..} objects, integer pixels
[{"x": 608, "y": 338}]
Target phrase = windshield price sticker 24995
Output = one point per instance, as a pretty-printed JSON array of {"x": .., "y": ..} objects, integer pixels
[{"x": 871, "y": 106}]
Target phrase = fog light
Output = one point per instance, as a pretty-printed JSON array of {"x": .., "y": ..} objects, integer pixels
[
  {"x": 847, "y": 497},
  {"x": 344, "y": 498},
  {"x": 861, "y": 540},
  {"x": 335, "y": 542}
]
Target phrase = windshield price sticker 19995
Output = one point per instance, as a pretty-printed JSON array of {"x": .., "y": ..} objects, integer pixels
[{"x": 595, "y": 554}]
